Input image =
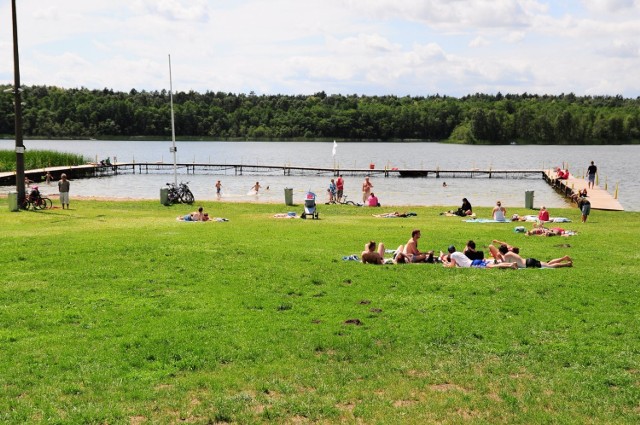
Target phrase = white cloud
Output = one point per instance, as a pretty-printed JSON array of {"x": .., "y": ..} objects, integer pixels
[
  {"x": 479, "y": 42},
  {"x": 174, "y": 10},
  {"x": 416, "y": 47}
]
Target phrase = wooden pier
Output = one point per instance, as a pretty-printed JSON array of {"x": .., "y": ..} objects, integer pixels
[
  {"x": 98, "y": 170},
  {"x": 599, "y": 198}
]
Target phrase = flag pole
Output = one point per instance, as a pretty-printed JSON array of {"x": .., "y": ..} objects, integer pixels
[{"x": 173, "y": 127}]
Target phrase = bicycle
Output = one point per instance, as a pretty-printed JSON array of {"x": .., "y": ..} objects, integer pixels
[
  {"x": 180, "y": 194},
  {"x": 34, "y": 200},
  {"x": 343, "y": 201}
]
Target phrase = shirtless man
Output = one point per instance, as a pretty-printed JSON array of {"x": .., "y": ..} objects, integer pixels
[
  {"x": 411, "y": 249},
  {"x": 366, "y": 190},
  {"x": 194, "y": 216},
  {"x": 370, "y": 255},
  {"x": 512, "y": 257}
]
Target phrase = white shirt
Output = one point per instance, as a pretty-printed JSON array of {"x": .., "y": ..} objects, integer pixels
[{"x": 460, "y": 259}]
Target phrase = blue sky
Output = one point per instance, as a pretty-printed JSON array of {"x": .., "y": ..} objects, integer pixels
[{"x": 371, "y": 47}]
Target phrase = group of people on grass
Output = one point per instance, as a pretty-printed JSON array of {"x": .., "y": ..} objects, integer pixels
[{"x": 503, "y": 256}]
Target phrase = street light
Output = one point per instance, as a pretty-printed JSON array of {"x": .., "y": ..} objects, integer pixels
[{"x": 18, "y": 109}]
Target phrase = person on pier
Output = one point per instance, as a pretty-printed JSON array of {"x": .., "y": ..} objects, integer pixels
[{"x": 591, "y": 175}]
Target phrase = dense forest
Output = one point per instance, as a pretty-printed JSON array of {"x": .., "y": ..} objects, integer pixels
[{"x": 52, "y": 112}]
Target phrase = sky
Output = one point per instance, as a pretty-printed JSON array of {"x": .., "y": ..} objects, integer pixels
[{"x": 363, "y": 47}]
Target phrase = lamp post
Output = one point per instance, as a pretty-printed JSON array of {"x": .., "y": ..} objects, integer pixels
[{"x": 18, "y": 109}]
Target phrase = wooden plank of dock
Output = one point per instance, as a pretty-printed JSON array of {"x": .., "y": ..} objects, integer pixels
[{"x": 600, "y": 199}]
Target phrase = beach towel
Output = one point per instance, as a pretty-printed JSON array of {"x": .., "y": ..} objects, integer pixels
[
  {"x": 290, "y": 214},
  {"x": 485, "y": 220},
  {"x": 394, "y": 215},
  {"x": 448, "y": 214},
  {"x": 180, "y": 219},
  {"x": 352, "y": 257}
]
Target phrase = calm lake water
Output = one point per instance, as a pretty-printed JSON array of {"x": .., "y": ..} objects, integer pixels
[{"x": 616, "y": 164}]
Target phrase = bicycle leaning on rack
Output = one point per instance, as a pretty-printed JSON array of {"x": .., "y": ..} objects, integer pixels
[
  {"x": 35, "y": 200},
  {"x": 180, "y": 194}
]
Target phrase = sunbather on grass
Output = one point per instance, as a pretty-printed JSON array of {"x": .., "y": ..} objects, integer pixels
[
  {"x": 513, "y": 257},
  {"x": 372, "y": 256}
]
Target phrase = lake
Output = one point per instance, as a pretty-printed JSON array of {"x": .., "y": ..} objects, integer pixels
[{"x": 616, "y": 164}]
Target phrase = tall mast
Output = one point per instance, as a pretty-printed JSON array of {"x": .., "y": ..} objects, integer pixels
[{"x": 173, "y": 127}]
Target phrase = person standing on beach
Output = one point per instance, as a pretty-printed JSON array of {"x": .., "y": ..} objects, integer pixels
[
  {"x": 591, "y": 175},
  {"x": 340, "y": 187},
  {"x": 63, "y": 188},
  {"x": 218, "y": 189},
  {"x": 366, "y": 189}
]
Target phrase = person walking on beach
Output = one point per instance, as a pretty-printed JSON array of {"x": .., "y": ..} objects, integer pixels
[
  {"x": 63, "y": 188},
  {"x": 256, "y": 187},
  {"x": 340, "y": 187},
  {"x": 366, "y": 189},
  {"x": 218, "y": 189},
  {"x": 591, "y": 175},
  {"x": 332, "y": 191}
]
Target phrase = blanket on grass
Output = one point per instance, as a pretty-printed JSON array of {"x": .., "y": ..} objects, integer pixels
[
  {"x": 534, "y": 218},
  {"x": 286, "y": 215},
  {"x": 220, "y": 219},
  {"x": 485, "y": 220},
  {"x": 395, "y": 215}
]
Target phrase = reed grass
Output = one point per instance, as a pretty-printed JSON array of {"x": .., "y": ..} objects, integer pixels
[
  {"x": 114, "y": 312},
  {"x": 36, "y": 159}
]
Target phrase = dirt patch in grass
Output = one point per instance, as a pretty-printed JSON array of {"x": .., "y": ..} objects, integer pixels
[
  {"x": 448, "y": 387},
  {"x": 404, "y": 403}
]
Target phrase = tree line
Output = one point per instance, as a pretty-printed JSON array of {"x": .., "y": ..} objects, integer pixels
[{"x": 53, "y": 112}]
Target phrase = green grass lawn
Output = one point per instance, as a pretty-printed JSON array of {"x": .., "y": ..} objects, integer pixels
[{"x": 114, "y": 312}]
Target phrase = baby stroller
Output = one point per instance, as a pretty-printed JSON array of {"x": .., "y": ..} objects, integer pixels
[{"x": 310, "y": 206}]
